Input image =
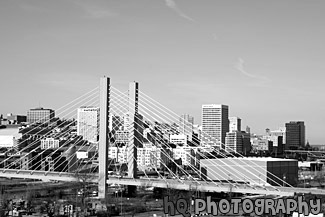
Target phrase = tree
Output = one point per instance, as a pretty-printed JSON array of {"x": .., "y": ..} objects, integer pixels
[
  {"x": 320, "y": 178},
  {"x": 84, "y": 179}
]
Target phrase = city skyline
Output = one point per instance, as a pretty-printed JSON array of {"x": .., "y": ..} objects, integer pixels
[{"x": 266, "y": 67}]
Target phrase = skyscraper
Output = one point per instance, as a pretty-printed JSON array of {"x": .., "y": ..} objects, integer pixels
[
  {"x": 186, "y": 126},
  {"x": 88, "y": 123},
  {"x": 295, "y": 134},
  {"x": 215, "y": 124},
  {"x": 234, "y": 124}
]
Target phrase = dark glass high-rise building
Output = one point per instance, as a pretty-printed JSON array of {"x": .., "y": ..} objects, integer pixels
[
  {"x": 295, "y": 134},
  {"x": 186, "y": 125}
]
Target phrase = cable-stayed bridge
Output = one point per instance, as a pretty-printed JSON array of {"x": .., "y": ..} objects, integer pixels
[{"x": 124, "y": 133}]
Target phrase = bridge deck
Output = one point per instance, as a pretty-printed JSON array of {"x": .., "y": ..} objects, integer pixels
[
  {"x": 170, "y": 183},
  {"x": 215, "y": 187}
]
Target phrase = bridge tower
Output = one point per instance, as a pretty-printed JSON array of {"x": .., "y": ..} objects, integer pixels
[
  {"x": 135, "y": 129},
  {"x": 103, "y": 136}
]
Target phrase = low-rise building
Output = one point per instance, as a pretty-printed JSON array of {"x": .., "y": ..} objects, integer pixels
[
  {"x": 259, "y": 171},
  {"x": 50, "y": 143},
  {"x": 9, "y": 137},
  {"x": 180, "y": 139}
]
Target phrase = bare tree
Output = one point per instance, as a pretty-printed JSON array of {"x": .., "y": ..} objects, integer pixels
[{"x": 84, "y": 180}]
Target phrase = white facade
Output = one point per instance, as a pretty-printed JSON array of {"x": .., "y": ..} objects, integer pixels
[
  {"x": 50, "y": 143},
  {"x": 148, "y": 157},
  {"x": 234, "y": 124},
  {"x": 215, "y": 124},
  {"x": 126, "y": 121},
  {"x": 272, "y": 138},
  {"x": 7, "y": 141},
  {"x": 112, "y": 152},
  {"x": 82, "y": 154},
  {"x": 121, "y": 136},
  {"x": 9, "y": 137},
  {"x": 178, "y": 139},
  {"x": 88, "y": 123},
  {"x": 234, "y": 142},
  {"x": 259, "y": 144},
  {"x": 119, "y": 154},
  {"x": 280, "y": 132},
  {"x": 184, "y": 153}
]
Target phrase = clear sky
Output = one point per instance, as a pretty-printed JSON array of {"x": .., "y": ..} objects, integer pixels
[{"x": 265, "y": 59}]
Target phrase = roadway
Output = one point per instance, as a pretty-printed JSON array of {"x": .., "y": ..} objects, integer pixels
[{"x": 161, "y": 183}]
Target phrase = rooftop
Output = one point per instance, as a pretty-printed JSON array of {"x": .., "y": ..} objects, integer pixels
[
  {"x": 10, "y": 132},
  {"x": 251, "y": 159}
]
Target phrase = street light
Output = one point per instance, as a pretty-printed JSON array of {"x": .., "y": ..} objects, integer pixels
[
  {"x": 284, "y": 178},
  {"x": 121, "y": 199},
  {"x": 305, "y": 181}
]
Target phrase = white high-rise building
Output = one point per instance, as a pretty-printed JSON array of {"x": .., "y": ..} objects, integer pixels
[
  {"x": 186, "y": 126},
  {"x": 215, "y": 124},
  {"x": 88, "y": 123},
  {"x": 234, "y": 124},
  {"x": 234, "y": 142}
]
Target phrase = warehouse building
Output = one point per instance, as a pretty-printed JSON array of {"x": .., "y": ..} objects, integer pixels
[{"x": 258, "y": 171}]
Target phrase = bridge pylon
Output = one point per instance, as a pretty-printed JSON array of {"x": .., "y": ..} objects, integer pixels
[
  {"x": 103, "y": 136},
  {"x": 135, "y": 129}
]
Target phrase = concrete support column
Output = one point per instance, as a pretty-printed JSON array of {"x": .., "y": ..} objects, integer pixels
[
  {"x": 72, "y": 166},
  {"x": 103, "y": 136},
  {"x": 133, "y": 134}
]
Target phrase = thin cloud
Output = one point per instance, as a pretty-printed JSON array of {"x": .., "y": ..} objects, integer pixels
[
  {"x": 240, "y": 67},
  {"x": 95, "y": 12},
  {"x": 172, "y": 4}
]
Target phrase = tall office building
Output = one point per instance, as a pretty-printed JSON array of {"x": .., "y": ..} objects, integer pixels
[
  {"x": 234, "y": 142},
  {"x": 234, "y": 124},
  {"x": 215, "y": 124},
  {"x": 295, "y": 134},
  {"x": 186, "y": 126},
  {"x": 88, "y": 123},
  {"x": 40, "y": 115},
  {"x": 238, "y": 142}
]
